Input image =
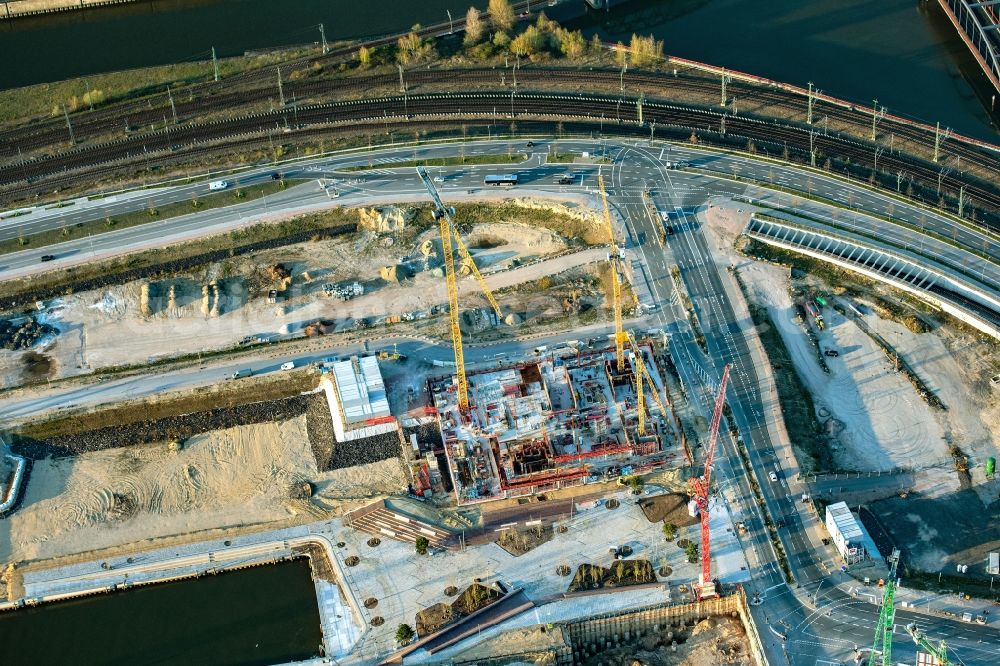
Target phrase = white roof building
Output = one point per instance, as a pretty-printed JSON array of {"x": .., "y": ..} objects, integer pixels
[
  {"x": 358, "y": 402},
  {"x": 848, "y": 534}
]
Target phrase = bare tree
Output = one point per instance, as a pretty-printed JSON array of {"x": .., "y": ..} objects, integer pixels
[
  {"x": 473, "y": 26},
  {"x": 501, "y": 14}
]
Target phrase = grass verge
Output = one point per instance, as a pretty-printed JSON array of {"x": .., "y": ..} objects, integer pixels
[
  {"x": 172, "y": 258},
  {"x": 230, "y": 394},
  {"x": 444, "y": 161},
  {"x": 135, "y": 218},
  {"x": 46, "y": 99}
]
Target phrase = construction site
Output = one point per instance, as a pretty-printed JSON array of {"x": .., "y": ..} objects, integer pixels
[{"x": 554, "y": 421}]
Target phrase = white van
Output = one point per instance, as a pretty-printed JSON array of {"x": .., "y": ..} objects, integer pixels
[
  {"x": 288, "y": 366},
  {"x": 218, "y": 185}
]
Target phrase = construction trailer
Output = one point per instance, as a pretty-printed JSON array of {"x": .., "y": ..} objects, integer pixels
[{"x": 848, "y": 534}]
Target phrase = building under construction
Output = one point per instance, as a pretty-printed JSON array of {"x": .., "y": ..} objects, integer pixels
[{"x": 557, "y": 419}]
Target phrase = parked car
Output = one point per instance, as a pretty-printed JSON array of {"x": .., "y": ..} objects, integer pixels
[
  {"x": 531, "y": 144},
  {"x": 772, "y": 476},
  {"x": 832, "y": 352}
]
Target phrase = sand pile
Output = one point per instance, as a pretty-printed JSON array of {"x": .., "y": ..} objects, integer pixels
[
  {"x": 238, "y": 476},
  {"x": 384, "y": 219}
]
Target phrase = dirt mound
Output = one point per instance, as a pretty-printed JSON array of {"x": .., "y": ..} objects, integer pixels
[{"x": 671, "y": 508}]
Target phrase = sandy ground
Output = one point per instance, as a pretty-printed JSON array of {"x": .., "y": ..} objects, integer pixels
[
  {"x": 106, "y": 328},
  {"x": 879, "y": 420},
  {"x": 235, "y": 477}
]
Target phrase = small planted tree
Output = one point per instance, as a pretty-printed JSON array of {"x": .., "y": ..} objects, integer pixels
[
  {"x": 692, "y": 552},
  {"x": 404, "y": 634},
  {"x": 421, "y": 545},
  {"x": 669, "y": 531}
]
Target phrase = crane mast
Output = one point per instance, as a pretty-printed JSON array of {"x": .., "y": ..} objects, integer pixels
[
  {"x": 642, "y": 375},
  {"x": 706, "y": 587},
  {"x": 886, "y": 617},
  {"x": 614, "y": 258},
  {"x": 446, "y": 226}
]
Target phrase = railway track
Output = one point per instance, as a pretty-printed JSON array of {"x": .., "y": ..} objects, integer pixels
[
  {"x": 607, "y": 113},
  {"x": 101, "y": 124},
  {"x": 33, "y": 133},
  {"x": 206, "y": 99}
]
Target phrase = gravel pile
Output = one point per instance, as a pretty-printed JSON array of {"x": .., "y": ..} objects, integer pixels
[
  {"x": 168, "y": 428},
  {"x": 331, "y": 454},
  {"x": 319, "y": 427},
  {"x": 362, "y": 451},
  {"x": 24, "y": 334}
]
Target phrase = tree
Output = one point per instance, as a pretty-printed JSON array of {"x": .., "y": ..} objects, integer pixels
[
  {"x": 501, "y": 14},
  {"x": 473, "y": 26},
  {"x": 571, "y": 44},
  {"x": 635, "y": 483},
  {"x": 364, "y": 56},
  {"x": 404, "y": 634},
  {"x": 412, "y": 48},
  {"x": 692, "y": 552},
  {"x": 421, "y": 545},
  {"x": 529, "y": 42},
  {"x": 621, "y": 54},
  {"x": 645, "y": 51},
  {"x": 596, "y": 45},
  {"x": 669, "y": 531}
]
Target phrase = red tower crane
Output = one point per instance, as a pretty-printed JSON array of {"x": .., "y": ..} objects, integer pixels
[{"x": 700, "y": 486}]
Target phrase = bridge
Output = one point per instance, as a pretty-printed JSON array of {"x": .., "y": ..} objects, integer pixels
[{"x": 978, "y": 24}]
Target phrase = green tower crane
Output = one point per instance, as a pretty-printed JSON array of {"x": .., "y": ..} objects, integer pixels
[
  {"x": 886, "y": 618},
  {"x": 940, "y": 652}
]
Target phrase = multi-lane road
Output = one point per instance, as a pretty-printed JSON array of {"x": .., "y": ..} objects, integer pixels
[{"x": 708, "y": 169}]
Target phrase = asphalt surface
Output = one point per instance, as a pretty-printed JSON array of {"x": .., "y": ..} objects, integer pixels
[
  {"x": 816, "y": 620},
  {"x": 813, "y": 621},
  {"x": 707, "y": 169}
]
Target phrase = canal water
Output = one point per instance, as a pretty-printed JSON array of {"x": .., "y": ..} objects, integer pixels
[
  {"x": 902, "y": 52},
  {"x": 259, "y": 616}
]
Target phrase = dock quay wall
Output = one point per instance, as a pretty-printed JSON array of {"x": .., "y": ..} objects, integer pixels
[{"x": 592, "y": 636}]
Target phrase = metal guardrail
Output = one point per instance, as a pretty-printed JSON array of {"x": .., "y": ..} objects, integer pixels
[{"x": 957, "y": 298}]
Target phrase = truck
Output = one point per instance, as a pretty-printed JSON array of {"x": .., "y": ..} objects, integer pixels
[
  {"x": 245, "y": 372},
  {"x": 217, "y": 185}
]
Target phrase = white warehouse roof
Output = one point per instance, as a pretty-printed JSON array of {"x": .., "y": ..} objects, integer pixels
[
  {"x": 361, "y": 390},
  {"x": 845, "y": 521}
]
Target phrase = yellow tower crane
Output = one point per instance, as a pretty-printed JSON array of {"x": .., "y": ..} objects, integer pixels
[
  {"x": 642, "y": 375},
  {"x": 448, "y": 232},
  {"x": 614, "y": 258}
]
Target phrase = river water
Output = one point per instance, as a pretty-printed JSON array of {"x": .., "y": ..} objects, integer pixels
[
  {"x": 902, "y": 52},
  {"x": 264, "y": 615}
]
